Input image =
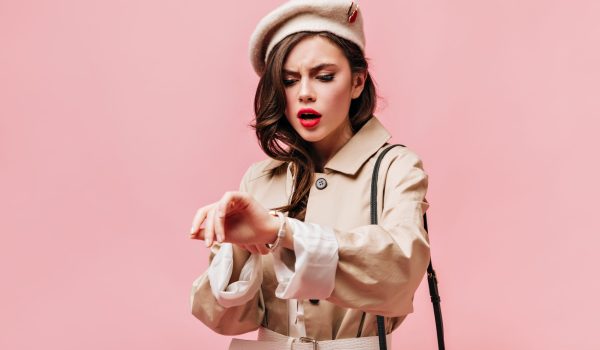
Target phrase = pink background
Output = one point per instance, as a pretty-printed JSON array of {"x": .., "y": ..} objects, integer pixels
[{"x": 118, "y": 119}]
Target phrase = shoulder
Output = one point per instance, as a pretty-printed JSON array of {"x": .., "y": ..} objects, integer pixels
[
  {"x": 399, "y": 156},
  {"x": 400, "y": 164},
  {"x": 404, "y": 182}
]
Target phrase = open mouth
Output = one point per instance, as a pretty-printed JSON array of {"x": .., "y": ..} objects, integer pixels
[
  {"x": 309, "y": 116},
  {"x": 308, "y": 113}
]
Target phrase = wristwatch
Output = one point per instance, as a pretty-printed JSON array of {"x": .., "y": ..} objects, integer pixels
[{"x": 280, "y": 233}]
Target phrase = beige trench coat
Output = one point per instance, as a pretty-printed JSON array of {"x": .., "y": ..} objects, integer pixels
[{"x": 380, "y": 266}]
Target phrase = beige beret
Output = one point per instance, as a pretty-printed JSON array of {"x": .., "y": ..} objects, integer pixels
[{"x": 340, "y": 17}]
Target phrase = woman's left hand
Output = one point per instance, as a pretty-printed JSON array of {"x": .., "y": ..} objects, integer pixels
[{"x": 237, "y": 218}]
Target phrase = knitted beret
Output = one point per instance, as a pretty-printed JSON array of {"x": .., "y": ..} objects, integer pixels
[{"x": 340, "y": 17}]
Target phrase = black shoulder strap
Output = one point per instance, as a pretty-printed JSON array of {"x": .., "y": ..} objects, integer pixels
[{"x": 431, "y": 277}]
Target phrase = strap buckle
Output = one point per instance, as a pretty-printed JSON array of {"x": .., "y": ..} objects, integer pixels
[{"x": 306, "y": 340}]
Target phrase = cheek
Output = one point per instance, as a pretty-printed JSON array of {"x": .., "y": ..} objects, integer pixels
[
  {"x": 336, "y": 96},
  {"x": 289, "y": 107}
]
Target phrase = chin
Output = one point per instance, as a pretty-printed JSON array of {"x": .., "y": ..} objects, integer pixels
[
  {"x": 315, "y": 136},
  {"x": 312, "y": 139}
]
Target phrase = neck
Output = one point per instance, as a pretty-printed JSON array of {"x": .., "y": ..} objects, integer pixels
[{"x": 324, "y": 150}]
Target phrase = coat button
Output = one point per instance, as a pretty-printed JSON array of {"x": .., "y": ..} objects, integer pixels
[{"x": 321, "y": 183}]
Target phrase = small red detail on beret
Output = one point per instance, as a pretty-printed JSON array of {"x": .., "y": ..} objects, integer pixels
[{"x": 354, "y": 13}]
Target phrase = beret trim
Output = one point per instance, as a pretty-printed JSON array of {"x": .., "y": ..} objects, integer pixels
[{"x": 304, "y": 15}]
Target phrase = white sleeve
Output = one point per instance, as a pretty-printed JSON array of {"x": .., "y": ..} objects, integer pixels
[
  {"x": 240, "y": 291},
  {"x": 312, "y": 275}
]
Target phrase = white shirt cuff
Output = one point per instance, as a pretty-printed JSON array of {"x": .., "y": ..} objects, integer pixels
[
  {"x": 240, "y": 291},
  {"x": 313, "y": 273}
]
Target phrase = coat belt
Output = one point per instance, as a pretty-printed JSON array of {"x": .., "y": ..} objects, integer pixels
[{"x": 269, "y": 340}]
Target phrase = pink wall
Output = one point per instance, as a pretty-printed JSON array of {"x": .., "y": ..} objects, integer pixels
[{"x": 118, "y": 119}]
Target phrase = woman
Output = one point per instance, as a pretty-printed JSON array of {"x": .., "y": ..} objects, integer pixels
[{"x": 293, "y": 252}]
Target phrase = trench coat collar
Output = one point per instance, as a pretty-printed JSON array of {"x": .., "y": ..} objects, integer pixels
[{"x": 356, "y": 151}]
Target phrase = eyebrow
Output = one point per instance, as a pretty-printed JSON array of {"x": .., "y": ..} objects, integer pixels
[{"x": 313, "y": 69}]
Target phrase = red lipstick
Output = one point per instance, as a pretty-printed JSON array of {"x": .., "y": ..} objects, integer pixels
[{"x": 309, "y": 117}]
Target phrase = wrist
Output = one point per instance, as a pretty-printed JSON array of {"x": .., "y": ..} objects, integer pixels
[
  {"x": 273, "y": 228},
  {"x": 288, "y": 240},
  {"x": 279, "y": 228}
]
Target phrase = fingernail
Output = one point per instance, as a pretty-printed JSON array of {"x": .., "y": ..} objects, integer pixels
[
  {"x": 192, "y": 230},
  {"x": 207, "y": 243}
]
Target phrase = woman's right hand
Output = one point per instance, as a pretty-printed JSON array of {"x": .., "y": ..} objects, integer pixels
[
  {"x": 255, "y": 248},
  {"x": 207, "y": 214}
]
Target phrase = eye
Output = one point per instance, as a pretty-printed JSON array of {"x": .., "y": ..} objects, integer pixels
[
  {"x": 326, "y": 77},
  {"x": 288, "y": 82}
]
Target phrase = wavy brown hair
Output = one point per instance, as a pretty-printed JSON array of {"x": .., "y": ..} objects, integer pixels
[{"x": 277, "y": 137}]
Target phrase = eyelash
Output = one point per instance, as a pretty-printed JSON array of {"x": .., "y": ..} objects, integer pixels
[{"x": 327, "y": 77}]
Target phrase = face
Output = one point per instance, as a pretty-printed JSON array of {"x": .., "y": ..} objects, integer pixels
[{"x": 318, "y": 81}]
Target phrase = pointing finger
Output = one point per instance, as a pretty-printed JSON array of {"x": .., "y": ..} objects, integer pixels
[
  {"x": 199, "y": 235},
  {"x": 198, "y": 219},
  {"x": 209, "y": 232},
  {"x": 221, "y": 212}
]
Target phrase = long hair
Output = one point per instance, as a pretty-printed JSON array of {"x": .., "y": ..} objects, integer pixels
[{"x": 277, "y": 137}]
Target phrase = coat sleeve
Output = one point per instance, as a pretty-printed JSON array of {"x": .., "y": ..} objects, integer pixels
[
  {"x": 378, "y": 267},
  {"x": 232, "y": 305}
]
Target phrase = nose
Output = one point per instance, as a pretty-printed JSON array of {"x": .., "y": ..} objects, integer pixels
[{"x": 306, "y": 93}]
